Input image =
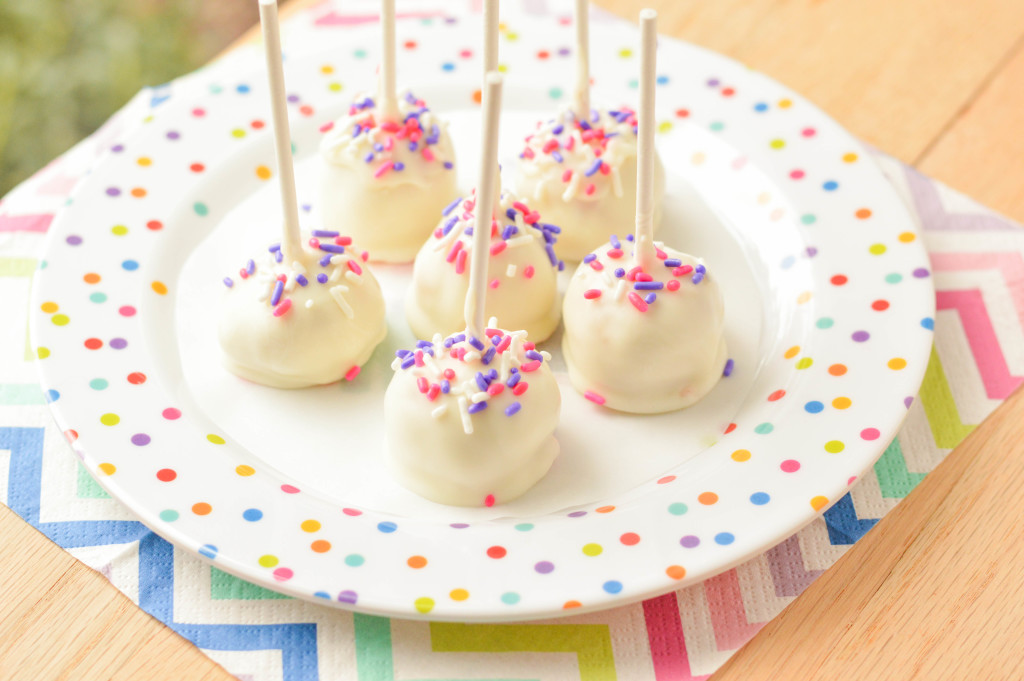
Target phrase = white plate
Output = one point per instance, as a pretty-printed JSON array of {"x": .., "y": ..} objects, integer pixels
[{"x": 829, "y": 307}]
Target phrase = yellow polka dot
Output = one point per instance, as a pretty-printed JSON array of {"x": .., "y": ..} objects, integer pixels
[
  {"x": 907, "y": 237},
  {"x": 819, "y": 502},
  {"x": 327, "y": 69},
  {"x": 60, "y": 319},
  {"x": 238, "y": 132},
  {"x": 741, "y": 455},
  {"x": 49, "y": 307},
  {"x": 592, "y": 550},
  {"x": 263, "y": 172},
  {"x": 777, "y": 144},
  {"x": 502, "y": 68},
  {"x": 458, "y": 594},
  {"x": 664, "y": 126},
  {"x": 310, "y": 525},
  {"x": 424, "y": 604},
  {"x": 334, "y": 87},
  {"x": 625, "y": 53},
  {"x": 804, "y": 363},
  {"x": 834, "y": 446},
  {"x": 215, "y": 439},
  {"x": 698, "y": 158},
  {"x": 42, "y": 353},
  {"x": 245, "y": 471},
  {"x": 268, "y": 561},
  {"x": 842, "y": 403},
  {"x": 792, "y": 352},
  {"x": 512, "y": 35},
  {"x": 144, "y": 161},
  {"x": 108, "y": 468},
  {"x": 876, "y": 249},
  {"x": 804, "y": 297},
  {"x": 897, "y": 363},
  {"x": 785, "y": 103},
  {"x": 160, "y": 287},
  {"x": 110, "y": 419},
  {"x": 119, "y": 230},
  {"x": 763, "y": 198},
  {"x": 850, "y": 157}
]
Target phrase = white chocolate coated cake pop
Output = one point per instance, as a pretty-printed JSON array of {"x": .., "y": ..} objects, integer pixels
[
  {"x": 384, "y": 179},
  {"x": 293, "y": 323},
  {"x": 471, "y": 422},
  {"x": 581, "y": 175},
  {"x": 522, "y": 285}
]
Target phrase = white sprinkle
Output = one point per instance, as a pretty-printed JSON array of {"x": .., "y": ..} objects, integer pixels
[
  {"x": 471, "y": 356},
  {"x": 479, "y": 397},
  {"x": 620, "y": 290},
  {"x": 335, "y": 275},
  {"x": 519, "y": 240},
  {"x": 337, "y": 259},
  {"x": 297, "y": 266},
  {"x": 510, "y": 271},
  {"x": 289, "y": 286},
  {"x": 309, "y": 303},
  {"x": 467, "y": 423},
  {"x": 506, "y": 357},
  {"x": 439, "y": 411},
  {"x": 546, "y": 355},
  {"x": 396, "y": 363},
  {"x": 337, "y": 292},
  {"x": 492, "y": 323},
  {"x": 616, "y": 181},
  {"x": 353, "y": 277},
  {"x": 429, "y": 362},
  {"x": 608, "y": 280}
]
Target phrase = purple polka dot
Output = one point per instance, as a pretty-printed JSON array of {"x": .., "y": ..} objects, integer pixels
[
  {"x": 347, "y": 597},
  {"x": 577, "y": 514},
  {"x": 173, "y": 134},
  {"x": 459, "y": 526},
  {"x": 689, "y": 541},
  {"x": 306, "y": 207},
  {"x": 921, "y": 273},
  {"x": 860, "y": 336},
  {"x": 811, "y": 251},
  {"x": 74, "y": 240},
  {"x": 907, "y": 401},
  {"x": 118, "y": 343},
  {"x": 117, "y": 148},
  {"x": 113, "y": 191},
  {"x": 564, "y": 51},
  {"x": 544, "y": 567},
  {"x": 140, "y": 439},
  {"x": 713, "y": 82},
  {"x": 293, "y": 98}
]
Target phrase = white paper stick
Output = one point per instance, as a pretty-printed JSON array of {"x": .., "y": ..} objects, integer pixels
[
  {"x": 291, "y": 242},
  {"x": 388, "y": 90},
  {"x": 485, "y": 193},
  {"x": 490, "y": 36},
  {"x": 645, "y": 141},
  {"x": 582, "y": 101}
]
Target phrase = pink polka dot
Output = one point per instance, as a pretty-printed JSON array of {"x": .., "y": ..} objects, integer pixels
[
  {"x": 796, "y": 174},
  {"x": 289, "y": 489},
  {"x": 351, "y": 511},
  {"x": 170, "y": 413},
  {"x": 808, "y": 132},
  {"x": 790, "y": 466},
  {"x": 283, "y": 574},
  {"x": 870, "y": 434},
  {"x": 127, "y": 311}
]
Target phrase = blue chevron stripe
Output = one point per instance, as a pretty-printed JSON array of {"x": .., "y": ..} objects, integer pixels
[{"x": 844, "y": 527}]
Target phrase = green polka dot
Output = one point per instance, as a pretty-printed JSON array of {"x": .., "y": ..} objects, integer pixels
[
  {"x": 119, "y": 230},
  {"x": 354, "y": 560},
  {"x": 359, "y": 53},
  {"x": 834, "y": 446},
  {"x": 42, "y": 264},
  {"x": 268, "y": 561},
  {"x": 893, "y": 278},
  {"x": 110, "y": 419},
  {"x": 677, "y": 508},
  {"x": 717, "y": 126},
  {"x": 804, "y": 363},
  {"x": 424, "y": 604},
  {"x": 555, "y": 93},
  {"x": 592, "y": 549},
  {"x": 777, "y": 144},
  {"x": 876, "y": 249},
  {"x": 634, "y": 83},
  {"x": 200, "y": 208},
  {"x": 763, "y": 428},
  {"x": 98, "y": 384},
  {"x": 808, "y": 219},
  {"x": 426, "y": 21},
  {"x": 215, "y": 439},
  {"x": 168, "y": 515},
  {"x": 216, "y": 89},
  {"x": 524, "y": 527},
  {"x": 825, "y": 323},
  {"x": 510, "y": 598},
  {"x": 98, "y": 297},
  {"x": 60, "y": 319}
]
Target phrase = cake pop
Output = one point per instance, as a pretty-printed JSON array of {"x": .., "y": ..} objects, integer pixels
[
  {"x": 579, "y": 168},
  {"x": 303, "y": 313},
  {"x": 643, "y": 323},
  {"x": 387, "y": 165},
  {"x": 470, "y": 419}
]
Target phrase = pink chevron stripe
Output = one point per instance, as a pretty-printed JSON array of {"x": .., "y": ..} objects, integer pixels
[
  {"x": 1010, "y": 264},
  {"x": 26, "y": 223},
  {"x": 337, "y": 19},
  {"x": 728, "y": 616},
  {"x": 668, "y": 644},
  {"x": 995, "y": 374}
]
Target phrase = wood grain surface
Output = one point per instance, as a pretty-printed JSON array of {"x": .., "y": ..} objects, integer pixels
[{"x": 934, "y": 590}]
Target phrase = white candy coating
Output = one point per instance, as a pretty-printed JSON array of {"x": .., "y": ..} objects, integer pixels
[
  {"x": 387, "y": 204},
  {"x": 662, "y": 359},
  {"x": 523, "y": 279},
  {"x": 324, "y": 333},
  {"x": 439, "y": 450},
  {"x": 588, "y": 208}
]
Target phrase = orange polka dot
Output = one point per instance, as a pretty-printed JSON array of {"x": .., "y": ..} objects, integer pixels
[
  {"x": 138, "y": 192},
  {"x": 897, "y": 363},
  {"x": 144, "y": 161},
  {"x": 458, "y": 594},
  {"x": 741, "y": 455},
  {"x": 792, "y": 352},
  {"x": 310, "y": 525},
  {"x": 49, "y": 308},
  {"x": 91, "y": 278},
  {"x": 326, "y": 69},
  {"x": 819, "y": 502},
  {"x": 321, "y": 546},
  {"x": 849, "y": 157},
  {"x": 837, "y": 369},
  {"x": 477, "y": 96},
  {"x": 108, "y": 468},
  {"x": 263, "y": 172},
  {"x": 160, "y": 287},
  {"x": 202, "y": 508},
  {"x": 416, "y": 562},
  {"x": 863, "y": 213},
  {"x": 569, "y": 605},
  {"x": 707, "y": 498},
  {"x": 907, "y": 237},
  {"x": 244, "y": 470},
  {"x": 804, "y": 297},
  {"x": 675, "y": 571},
  {"x": 604, "y": 509}
]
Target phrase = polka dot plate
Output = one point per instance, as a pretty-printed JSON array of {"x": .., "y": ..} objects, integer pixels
[{"x": 829, "y": 323}]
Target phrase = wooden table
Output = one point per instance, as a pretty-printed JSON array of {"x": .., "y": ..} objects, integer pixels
[{"x": 934, "y": 591}]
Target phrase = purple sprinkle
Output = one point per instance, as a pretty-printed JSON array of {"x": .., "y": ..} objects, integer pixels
[
  {"x": 509, "y": 230},
  {"x": 561, "y": 265},
  {"x": 584, "y": 125},
  {"x": 650, "y": 297},
  {"x": 860, "y": 336},
  {"x": 619, "y": 272},
  {"x": 557, "y": 156},
  {"x": 468, "y": 231},
  {"x": 594, "y": 167},
  {"x": 697, "y": 278},
  {"x": 278, "y": 290},
  {"x": 712, "y": 82},
  {"x": 278, "y": 256},
  {"x": 482, "y": 381},
  {"x": 74, "y": 240},
  {"x": 413, "y": 146},
  {"x": 921, "y": 273},
  {"x": 558, "y": 129},
  {"x": 551, "y": 255},
  {"x": 615, "y": 242},
  {"x": 140, "y": 439},
  {"x": 228, "y": 282},
  {"x": 293, "y": 98},
  {"x": 811, "y": 251},
  {"x": 727, "y": 371},
  {"x": 629, "y": 237},
  {"x": 907, "y": 401},
  {"x": 408, "y": 361},
  {"x": 513, "y": 379},
  {"x": 332, "y": 248},
  {"x": 324, "y": 262},
  {"x": 700, "y": 269},
  {"x": 325, "y": 233},
  {"x": 301, "y": 279},
  {"x": 446, "y": 386},
  {"x": 451, "y": 206},
  {"x": 378, "y": 147},
  {"x": 250, "y": 267},
  {"x": 673, "y": 262},
  {"x": 496, "y": 338},
  {"x": 274, "y": 248},
  {"x": 648, "y": 286},
  {"x": 113, "y": 191},
  {"x": 476, "y": 343},
  {"x": 118, "y": 343},
  {"x": 548, "y": 237},
  {"x": 450, "y": 224},
  {"x": 424, "y": 344},
  {"x": 544, "y": 567},
  {"x": 399, "y": 166},
  {"x": 477, "y": 407},
  {"x": 347, "y": 597},
  {"x": 533, "y": 354},
  {"x": 448, "y": 342},
  {"x": 369, "y": 157},
  {"x": 448, "y": 165},
  {"x": 577, "y": 514},
  {"x": 548, "y": 227},
  {"x": 322, "y": 278},
  {"x": 513, "y": 409},
  {"x": 459, "y": 337},
  {"x": 358, "y": 129},
  {"x": 488, "y": 356},
  {"x": 689, "y": 541},
  {"x": 402, "y": 353}
]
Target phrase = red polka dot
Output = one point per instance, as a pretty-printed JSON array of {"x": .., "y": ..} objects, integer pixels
[
  {"x": 166, "y": 474},
  {"x": 728, "y": 92},
  {"x": 729, "y": 428},
  {"x": 496, "y": 552},
  {"x": 777, "y": 395},
  {"x": 790, "y": 466},
  {"x": 543, "y": 54},
  {"x": 154, "y": 225},
  {"x": 351, "y": 511},
  {"x": 172, "y": 414},
  {"x": 127, "y": 311},
  {"x": 630, "y": 539},
  {"x": 667, "y": 479},
  {"x": 257, "y": 124},
  {"x": 880, "y": 305},
  {"x": 870, "y": 434},
  {"x": 290, "y": 489},
  {"x": 197, "y": 167},
  {"x": 306, "y": 110},
  {"x": 682, "y": 113},
  {"x": 839, "y": 280},
  {"x": 93, "y": 343},
  {"x": 466, "y": 54},
  {"x": 409, "y": 44},
  {"x": 136, "y": 378},
  {"x": 71, "y": 435}
]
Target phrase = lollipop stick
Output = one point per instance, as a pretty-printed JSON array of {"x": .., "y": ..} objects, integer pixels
[
  {"x": 485, "y": 192},
  {"x": 490, "y": 36},
  {"x": 388, "y": 93},
  {"x": 582, "y": 102},
  {"x": 291, "y": 243},
  {"x": 645, "y": 141}
]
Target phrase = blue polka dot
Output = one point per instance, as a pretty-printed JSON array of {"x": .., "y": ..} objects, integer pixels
[
  {"x": 612, "y": 586},
  {"x": 928, "y": 323},
  {"x": 662, "y": 80},
  {"x": 447, "y": 66},
  {"x": 510, "y": 598},
  {"x": 814, "y": 407},
  {"x": 130, "y": 265},
  {"x": 242, "y": 88},
  {"x": 759, "y": 498},
  {"x": 760, "y": 107},
  {"x": 252, "y": 514},
  {"x": 208, "y": 550},
  {"x": 724, "y": 538},
  {"x": 322, "y": 594},
  {"x": 387, "y": 527},
  {"x": 787, "y": 262},
  {"x": 830, "y": 186},
  {"x": 52, "y": 396}
]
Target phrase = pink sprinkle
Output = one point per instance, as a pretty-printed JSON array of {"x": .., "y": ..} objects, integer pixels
[
  {"x": 528, "y": 153},
  {"x": 497, "y": 248},
  {"x": 637, "y": 301},
  {"x": 460, "y": 262},
  {"x": 594, "y": 397},
  {"x": 615, "y": 253},
  {"x": 503, "y": 345},
  {"x": 418, "y": 358},
  {"x": 550, "y": 146},
  {"x": 326, "y": 127},
  {"x": 529, "y": 345},
  {"x": 596, "y": 265},
  {"x": 428, "y": 155},
  {"x": 672, "y": 285},
  {"x": 343, "y": 241},
  {"x": 682, "y": 271},
  {"x": 643, "y": 276},
  {"x": 449, "y": 374},
  {"x": 590, "y": 294},
  {"x": 520, "y": 388},
  {"x": 351, "y": 374},
  {"x": 520, "y": 206},
  {"x": 290, "y": 489},
  {"x": 283, "y": 307},
  {"x": 495, "y": 388},
  {"x": 354, "y": 266},
  {"x": 314, "y": 243},
  {"x": 384, "y": 167},
  {"x": 528, "y": 272},
  {"x": 422, "y": 384},
  {"x": 389, "y": 126},
  {"x": 494, "y": 283},
  {"x": 605, "y": 169},
  {"x": 662, "y": 255},
  {"x": 590, "y": 189},
  {"x": 364, "y": 256},
  {"x": 283, "y": 278},
  {"x": 531, "y": 217},
  {"x": 454, "y": 251},
  {"x": 438, "y": 233},
  {"x": 435, "y": 390},
  {"x": 243, "y": 274},
  {"x": 532, "y": 365},
  {"x": 631, "y": 274},
  {"x": 571, "y": 143},
  {"x": 566, "y": 176},
  {"x": 489, "y": 500},
  {"x": 490, "y": 333},
  {"x": 587, "y": 135}
]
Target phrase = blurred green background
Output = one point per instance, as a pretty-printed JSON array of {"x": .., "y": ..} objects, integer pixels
[{"x": 67, "y": 65}]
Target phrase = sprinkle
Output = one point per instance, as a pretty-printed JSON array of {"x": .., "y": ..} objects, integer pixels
[
  {"x": 672, "y": 285},
  {"x": 250, "y": 267},
  {"x": 567, "y": 175},
  {"x": 439, "y": 411},
  {"x": 648, "y": 286},
  {"x": 428, "y": 154},
  {"x": 590, "y": 294},
  {"x": 418, "y": 358},
  {"x": 673, "y": 262},
  {"x": 615, "y": 253},
  {"x": 324, "y": 233},
  {"x": 497, "y": 247},
  {"x": 701, "y": 269},
  {"x": 594, "y": 167},
  {"x": 399, "y": 166},
  {"x": 589, "y": 190},
  {"x": 408, "y": 362},
  {"x": 402, "y": 354},
  {"x": 557, "y": 156},
  {"x": 369, "y": 157},
  {"x": 278, "y": 256},
  {"x": 278, "y": 290},
  {"x": 301, "y": 279},
  {"x": 354, "y": 266},
  {"x": 460, "y": 262},
  {"x": 228, "y": 282},
  {"x": 503, "y": 344},
  {"x": 637, "y": 301},
  {"x": 325, "y": 261},
  {"x": 619, "y": 272},
  {"x": 596, "y": 266},
  {"x": 682, "y": 271},
  {"x": 274, "y": 248},
  {"x": 510, "y": 271},
  {"x": 513, "y": 409},
  {"x": 514, "y": 379},
  {"x": 336, "y": 293},
  {"x": 476, "y": 343},
  {"x": 614, "y": 240},
  {"x": 533, "y": 354},
  {"x": 481, "y": 381},
  {"x": 650, "y": 297},
  {"x": 332, "y": 248},
  {"x": 285, "y": 305},
  {"x": 594, "y": 397},
  {"x": 446, "y": 386},
  {"x": 454, "y": 251},
  {"x": 550, "y": 146},
  {"x": 727, "y": 371},
  {"x": 589, "y": 258},
  {"x": 477, "y": 407},
  {"x": 532, "y": 365},
  {"x": 697, "y": 278},
  {"x": 520, "y": 388},
  {"x": 351, "y": 374},
  {"x": 322, "y": 278},
  {"x": 528, "y": 271},
  {"x": 422, "y": 384},
  {"x": 384, "y": 167},
  {"x": 662, "y": 255},
  {"x": 489, "y": 500},
  {"x": 495, "y": 389},
  {"x": 467, "y": 424}
]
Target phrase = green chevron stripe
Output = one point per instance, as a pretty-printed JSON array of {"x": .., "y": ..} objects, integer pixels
[
  {"x": 225, "y": 587},
  {"x": 87, "y": 487},
  {"x": 895, "y": 480},
  {"x": 21, "y": 394},
  {"x": 940, "y": 408}
]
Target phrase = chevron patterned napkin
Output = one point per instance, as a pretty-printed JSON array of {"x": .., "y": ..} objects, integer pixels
[{"x": 978, "y": 359}]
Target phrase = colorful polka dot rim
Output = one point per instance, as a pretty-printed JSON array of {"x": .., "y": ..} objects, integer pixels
[{"x": 829, "y": 306}]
